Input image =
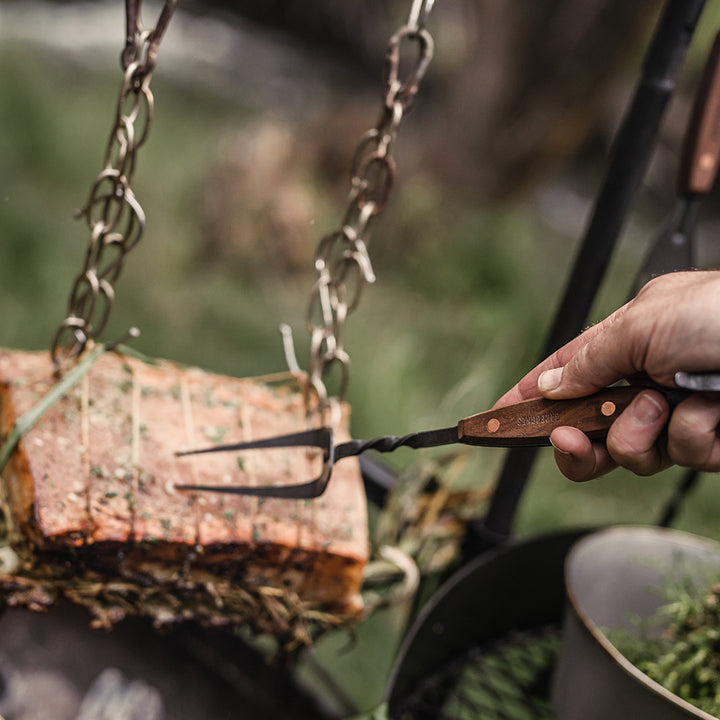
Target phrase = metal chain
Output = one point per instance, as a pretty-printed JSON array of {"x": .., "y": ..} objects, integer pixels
[
  {"x": 115, "y": 218},
  {"x": 342, "y": 262}
]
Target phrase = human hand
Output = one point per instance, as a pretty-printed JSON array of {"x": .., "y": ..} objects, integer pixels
[{"x": 673, "y": 324}]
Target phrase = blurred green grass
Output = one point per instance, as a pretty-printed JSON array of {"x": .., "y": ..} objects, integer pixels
[{"x": 464, "y": 296}]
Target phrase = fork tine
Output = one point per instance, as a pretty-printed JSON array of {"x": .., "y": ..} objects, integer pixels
[
  {"x": 317, "y": 437},
  {"x": 299, "y": 491}
]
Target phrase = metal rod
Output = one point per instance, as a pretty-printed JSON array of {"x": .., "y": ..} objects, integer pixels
[
  {"x": 687, "y": 483},
  {"x": 630, "y": 156}
]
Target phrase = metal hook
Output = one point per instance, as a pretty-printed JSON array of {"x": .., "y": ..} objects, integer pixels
[
  {"x": 133, "y": 29},
  {"x": 419, "y": 13},
  {"x": 132, "y": 25},
  {"x": 289, "y": 350},
  {"x": 131, "y": 334}
]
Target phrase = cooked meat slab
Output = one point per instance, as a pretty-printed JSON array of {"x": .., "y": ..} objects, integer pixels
[{"x": 90, "y": 498}]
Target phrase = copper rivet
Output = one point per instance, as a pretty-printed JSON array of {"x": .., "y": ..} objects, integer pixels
[
  {"x": 607, "y": 408},
  {"x": 493, "y": 425}
]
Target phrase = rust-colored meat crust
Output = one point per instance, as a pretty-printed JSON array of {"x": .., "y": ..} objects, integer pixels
[{"x": 94, "y": 480}]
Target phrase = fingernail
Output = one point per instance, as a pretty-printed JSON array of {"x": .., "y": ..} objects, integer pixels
[
  {"x": 646, "y": 410},
  {"x": 549, "y": 380},
  {"x": 558, "y": 450}
]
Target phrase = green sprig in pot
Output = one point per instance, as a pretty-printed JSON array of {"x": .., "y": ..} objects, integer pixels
[{"x": 620, "y": 583}]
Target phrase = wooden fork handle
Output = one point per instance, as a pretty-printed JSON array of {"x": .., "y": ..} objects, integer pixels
[
  {"x": 701, "y": 149},
  {"x": 530, "y": 422}
]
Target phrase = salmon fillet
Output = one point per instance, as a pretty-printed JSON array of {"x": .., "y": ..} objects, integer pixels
[{"x": 91, "y": 509}]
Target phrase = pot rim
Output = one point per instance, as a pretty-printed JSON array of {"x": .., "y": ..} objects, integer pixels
[{"x": 686, "y": 538}]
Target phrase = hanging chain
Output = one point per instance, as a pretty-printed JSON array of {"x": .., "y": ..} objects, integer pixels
[
  {"x": 114, "y": 217},
  {"x": 342, "y": 262}
]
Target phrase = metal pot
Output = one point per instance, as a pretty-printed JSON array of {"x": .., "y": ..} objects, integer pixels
[
  {"x": 515, "y": 587},
  {"x": 610, "y": 576}
]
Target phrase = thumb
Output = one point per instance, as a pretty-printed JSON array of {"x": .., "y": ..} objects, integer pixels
[
  {"x": 600, "y": 362},
  {"x": 556, "y": 384}
]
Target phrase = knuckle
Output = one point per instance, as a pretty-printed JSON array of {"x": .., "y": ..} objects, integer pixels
[
  {"x": 693, "y": 436},
  {"x": 636, "y": 446},
  {"x": 685, "y": 428},
  {"x": 695, "y": 452},
  {"x": 636, "y": 456},
  {"x": 625, "y": 447}
]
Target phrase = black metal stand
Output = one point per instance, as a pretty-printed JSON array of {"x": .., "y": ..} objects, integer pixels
[{"x": 630, "y": 156}]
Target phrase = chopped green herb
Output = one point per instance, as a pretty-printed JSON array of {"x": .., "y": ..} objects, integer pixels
[{"x": 684, "y": 655}]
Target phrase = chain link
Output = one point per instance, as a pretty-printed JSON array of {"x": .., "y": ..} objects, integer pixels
[
  {"x": 149, "y": 49},
  {"x": 342, "y": 261},
  {"x": 113, "y": 215}
]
